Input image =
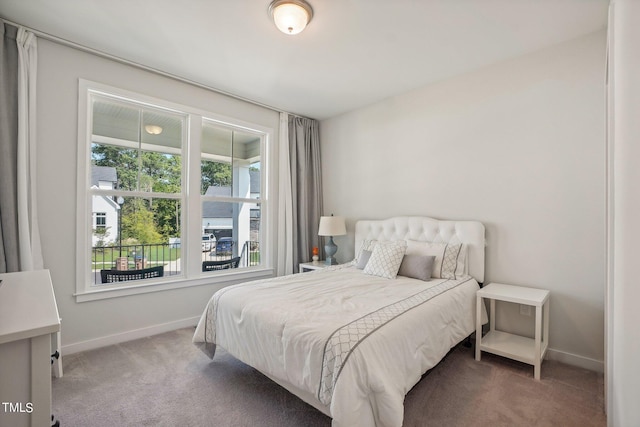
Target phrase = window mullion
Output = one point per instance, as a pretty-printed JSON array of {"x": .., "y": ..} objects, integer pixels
[
  {"x": 193, "y": 226},
  {"x": 139, "y": 194},
  {"x": 230, "y": 199}
]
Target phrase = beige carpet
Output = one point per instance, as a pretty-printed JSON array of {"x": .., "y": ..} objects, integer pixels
[{"x": 166, "y": 381}]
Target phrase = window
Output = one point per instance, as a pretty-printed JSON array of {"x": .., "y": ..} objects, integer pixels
[
  {"x": 231, "y": 188},
  {"x": 101, "y": 220},
  {"x": 141, "y": 159}
]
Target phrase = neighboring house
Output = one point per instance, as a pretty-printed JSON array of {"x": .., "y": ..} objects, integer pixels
[
  {"x": 217, "y": 217},
  {"x": 104, "y": 209}
]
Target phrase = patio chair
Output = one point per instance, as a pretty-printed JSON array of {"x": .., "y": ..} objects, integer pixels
[
  {"x": 111, "y": 276},
  {"x": 220, "y": 265}
]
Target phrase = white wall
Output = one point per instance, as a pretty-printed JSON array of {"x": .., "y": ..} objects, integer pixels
[
  {"x": 88, "y": 324},
  {"x": 519, "y": 146},
  {"x": 623, "y": 316}
]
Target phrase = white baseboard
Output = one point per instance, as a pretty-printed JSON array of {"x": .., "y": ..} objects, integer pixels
[
  {"x": 575, "y": 360},
  {"x": 128, "y": 336}
]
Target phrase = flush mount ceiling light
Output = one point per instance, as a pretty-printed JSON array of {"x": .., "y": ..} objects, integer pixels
[
  {"x": 290, "y": 16},
  {"x": 153, "y": 129}
]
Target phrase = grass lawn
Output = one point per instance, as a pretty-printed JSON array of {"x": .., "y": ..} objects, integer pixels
[{"x": 104, "y": 258}]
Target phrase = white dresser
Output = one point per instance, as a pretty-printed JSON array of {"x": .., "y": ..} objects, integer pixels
[{"x": 28, "y": 318}]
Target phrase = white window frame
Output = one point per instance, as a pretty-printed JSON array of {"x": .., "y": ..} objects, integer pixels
[
  {"x": 191, "y": 201},
  {"x": 103, "y": 216}
]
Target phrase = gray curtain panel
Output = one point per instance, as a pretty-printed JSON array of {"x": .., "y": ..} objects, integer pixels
[
  {"x": 9, "y": 258},
  {"x": 306, "y": 186}
]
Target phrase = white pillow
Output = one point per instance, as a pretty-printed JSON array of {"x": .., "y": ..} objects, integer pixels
[
  {"x": 454, "y": 261},
  {"x": 386, "y": 258},
  {"x": 450, "y": 259}
]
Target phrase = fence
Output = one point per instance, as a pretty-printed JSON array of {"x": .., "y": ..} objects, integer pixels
[
  {"x": 250, "y": 255},
  {"x": 138, "y": 257},
  {"x": 135, "y": 257}
]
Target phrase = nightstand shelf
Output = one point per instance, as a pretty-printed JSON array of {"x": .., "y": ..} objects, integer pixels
[
  {"x": 313, "y": 265},
  {"x": 510, "y": 345},
  {"x": 523, "y": 349}
]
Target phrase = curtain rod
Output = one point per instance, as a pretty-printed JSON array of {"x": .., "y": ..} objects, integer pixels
[{"x": 96, "y": 52}]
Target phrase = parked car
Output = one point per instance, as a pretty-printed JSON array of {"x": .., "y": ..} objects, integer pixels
[
  {"x": 208, "y": 242},
  {"x": 224, "y": 245}
]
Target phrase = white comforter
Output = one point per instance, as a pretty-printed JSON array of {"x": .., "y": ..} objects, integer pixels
[{"x": 356, "y": 343}]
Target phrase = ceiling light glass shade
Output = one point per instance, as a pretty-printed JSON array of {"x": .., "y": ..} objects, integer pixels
[
  {"x": 290, "y": 16},
  {"x": 153, "y": 129}
]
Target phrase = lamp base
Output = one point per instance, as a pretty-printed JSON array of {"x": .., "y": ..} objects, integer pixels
[
  {"x": 330, "y": 261},
  {"x": 330, "y": 250}
]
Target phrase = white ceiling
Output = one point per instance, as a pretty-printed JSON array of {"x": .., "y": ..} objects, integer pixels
[{"x": 353, "y": 53}]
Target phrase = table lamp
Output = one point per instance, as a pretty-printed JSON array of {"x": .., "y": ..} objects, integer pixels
[{"x": 331, "y": 226}]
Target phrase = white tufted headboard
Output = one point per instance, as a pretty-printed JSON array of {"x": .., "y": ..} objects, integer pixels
[{"x": 422, "y": 228}]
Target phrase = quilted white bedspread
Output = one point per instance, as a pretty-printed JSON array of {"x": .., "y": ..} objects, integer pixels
[{"x": 356, "y": 343}]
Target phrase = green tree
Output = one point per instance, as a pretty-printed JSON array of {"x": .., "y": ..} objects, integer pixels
[
  {"x": 165, "y": 171},
  {"x": 155, "y": 219},
  {"x": 138, "y": 223},
  {"x": 214, "y": 173},
  {"x": 101, "y": 233},
  {"x": 124, "y": 160},
  {"x": 167, "y": 217}
]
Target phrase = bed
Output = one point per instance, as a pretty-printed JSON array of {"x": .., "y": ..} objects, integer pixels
[{"x": 347, "y": 339}]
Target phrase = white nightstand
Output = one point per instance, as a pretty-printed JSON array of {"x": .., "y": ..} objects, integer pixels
[
  {"x": 523, "y": 349},
  {"x": 313, "y": 265}
]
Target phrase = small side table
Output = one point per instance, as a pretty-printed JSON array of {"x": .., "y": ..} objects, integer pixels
[
  {"x": 523, "y": 349},
  {"x": 313, "y": 265}
]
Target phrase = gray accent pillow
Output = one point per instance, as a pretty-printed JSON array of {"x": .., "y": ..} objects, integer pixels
[
  {"x": 417, "y": 266},
  {"x": 367, "y": 245},
  {"x": 363, "y": 259}
]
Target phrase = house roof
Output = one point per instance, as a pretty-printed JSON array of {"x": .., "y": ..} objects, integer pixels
[
  {"x": 103, "y": 173},
  {"x": 217, "y": 209}
]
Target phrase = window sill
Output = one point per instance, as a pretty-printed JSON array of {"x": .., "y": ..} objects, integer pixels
[{"x": 224, "y": 279}]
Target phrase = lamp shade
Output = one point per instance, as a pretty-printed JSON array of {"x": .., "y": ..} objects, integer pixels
[
  {"x": 290, "y": 16},
  {"x": 332, "y": 226}
]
